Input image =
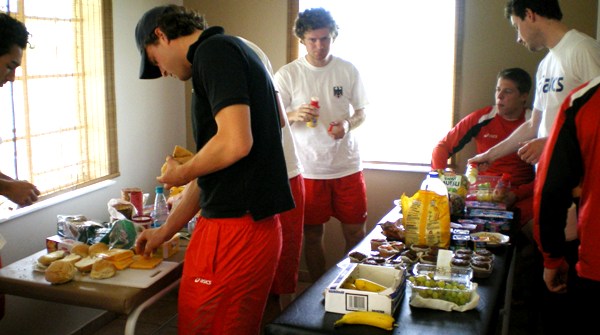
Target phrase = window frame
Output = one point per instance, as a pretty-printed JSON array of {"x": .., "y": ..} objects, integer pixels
[{"x": 105, "y": 134}]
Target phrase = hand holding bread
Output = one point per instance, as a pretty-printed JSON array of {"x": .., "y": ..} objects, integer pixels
[{"x": 181, "y": 155}]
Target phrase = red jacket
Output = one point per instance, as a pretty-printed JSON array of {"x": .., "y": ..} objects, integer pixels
[
  {"x": 571, "y": 157},
  {"x": 488, "y": 129}
]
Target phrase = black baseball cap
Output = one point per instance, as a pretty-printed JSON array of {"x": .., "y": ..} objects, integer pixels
[{"x": 144, "y": 28}]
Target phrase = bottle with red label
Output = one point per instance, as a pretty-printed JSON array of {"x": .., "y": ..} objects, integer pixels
[{"x": 314, "y": 101}]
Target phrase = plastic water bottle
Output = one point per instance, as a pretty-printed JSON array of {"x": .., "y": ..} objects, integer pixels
[
  {"x": 160, "y": 212},
  {"x": 434, "y": 183}
]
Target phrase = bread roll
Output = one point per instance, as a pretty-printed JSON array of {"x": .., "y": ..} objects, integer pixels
[
  {"x": 80, "y": 249},
  {"x": 59, "y": 272},
  {"x": 102, "y": 269},
  {"x": 71, "y": 258},
  {"x": 85, "y": 264},
  {"x": 181, "y": 155},
  {"x": 51, "y": 257},
  {"x": 97, "y": 248}
]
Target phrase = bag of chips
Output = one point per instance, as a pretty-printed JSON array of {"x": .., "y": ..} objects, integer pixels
[{"x": 426, "y": 219}]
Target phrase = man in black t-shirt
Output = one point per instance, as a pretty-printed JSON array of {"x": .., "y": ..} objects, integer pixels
[{"x": 237, "y": 177}]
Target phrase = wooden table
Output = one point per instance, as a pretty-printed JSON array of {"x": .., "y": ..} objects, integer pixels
[{"x": 20, "y": 279}]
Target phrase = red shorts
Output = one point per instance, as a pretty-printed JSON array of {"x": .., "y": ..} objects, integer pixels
[
  {"x": 286, "y": 276},
  {"x": 228, "y": 271},
  {"x": 343, "y": 198}
]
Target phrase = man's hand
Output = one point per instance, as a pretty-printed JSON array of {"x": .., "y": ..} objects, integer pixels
[
  {"x": 483, "y": 160},
  {"x": 556, "y": 279},
  {"x": 338, "y": 129},
  {"x": 531, "y": 150},
  {"x": 304, "y": 113},
  {"x": 20, "y": 192},
  {"x": 148, "y": 241},
  {"x": 170, "y": 177}
]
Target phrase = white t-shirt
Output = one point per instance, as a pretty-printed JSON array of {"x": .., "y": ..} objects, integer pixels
[
  {"x": 340, "y": 91},
  {"x": 294, "y": 168},
  {"x": 572, "y": 62}
]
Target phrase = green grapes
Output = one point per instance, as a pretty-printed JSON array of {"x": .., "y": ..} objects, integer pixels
[{"x": 452, "y": 291}]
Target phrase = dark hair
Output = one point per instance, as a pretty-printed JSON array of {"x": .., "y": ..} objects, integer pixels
[
  {"x": 177, "y": 21},
  {"x": 549, "y": 9},
  {"x": 312, "y": 19},
  {"x": 519, "y": 76},
  {"x": 12, "y": 32}
]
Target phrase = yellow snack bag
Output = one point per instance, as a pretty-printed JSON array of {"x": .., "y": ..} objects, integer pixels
[{"x": 426, "y": 219}]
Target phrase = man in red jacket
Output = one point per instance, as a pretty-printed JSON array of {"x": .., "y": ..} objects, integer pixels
[
  {"x": 490, "y": 125},
  {"x": 572, "y": 158}
]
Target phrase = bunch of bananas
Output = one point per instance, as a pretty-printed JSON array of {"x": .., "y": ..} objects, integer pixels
[
  {"x": 374, "y": 319},
  {"x": 362, "y": 284}
]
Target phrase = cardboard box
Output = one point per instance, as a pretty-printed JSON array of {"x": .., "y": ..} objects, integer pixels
[
  {"x": 341, "y": 300},
  {"x": 55, "y": 242}
]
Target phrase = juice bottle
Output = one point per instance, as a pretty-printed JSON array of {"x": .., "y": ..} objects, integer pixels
[{"x": 314, "y": 101}]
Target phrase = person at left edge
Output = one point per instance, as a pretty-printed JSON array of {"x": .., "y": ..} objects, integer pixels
[
  {"x": 13, "y": 40},
  {"x": 237, "y": 177}
]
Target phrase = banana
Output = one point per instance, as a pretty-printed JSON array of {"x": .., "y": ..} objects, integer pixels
[
  {"x": 374, "y": 319},
  {"x": 367, "y": 285},
  {"x": 349, "y": 286}
]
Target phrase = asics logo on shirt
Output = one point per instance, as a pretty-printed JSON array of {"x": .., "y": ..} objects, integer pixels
[
  {"x": 488, "y": 135},
  {"x": 203, "y": 281},
  {"x": 553, "y": 85}
]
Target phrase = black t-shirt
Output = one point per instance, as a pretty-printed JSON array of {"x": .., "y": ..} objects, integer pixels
[{"x": 225, "y": 71}]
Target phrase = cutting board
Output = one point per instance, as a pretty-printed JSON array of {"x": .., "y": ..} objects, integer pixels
[
  {"x": 25, "y": 269},
  {"x": 133, "y": 277}
]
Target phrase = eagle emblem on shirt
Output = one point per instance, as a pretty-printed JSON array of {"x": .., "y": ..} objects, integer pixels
[{"x": 338, "y": 91}]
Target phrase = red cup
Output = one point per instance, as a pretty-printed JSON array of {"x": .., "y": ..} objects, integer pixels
[{"x": 137, "y": 200}]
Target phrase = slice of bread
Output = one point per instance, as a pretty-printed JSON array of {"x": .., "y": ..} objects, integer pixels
[
  {"x": 85, "y": 264},
  {"x": 72, "y": 258},
  {"x": 80, "y": 249},
  {"x": 97, "y": 248},
  {"x": 48, "y": 258}
]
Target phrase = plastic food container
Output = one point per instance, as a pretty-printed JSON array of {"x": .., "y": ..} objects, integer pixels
[{"x": 452, "y": 284}]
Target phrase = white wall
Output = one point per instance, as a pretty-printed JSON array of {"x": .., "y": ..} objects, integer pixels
[{"x": 150, "y": 122}]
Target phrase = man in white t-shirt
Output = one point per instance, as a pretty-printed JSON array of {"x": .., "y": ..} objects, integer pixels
[
  {"x": 328, "y": 150},
  {"x": 286, "y": 276},
  {"x": 573, "y": 58}
]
